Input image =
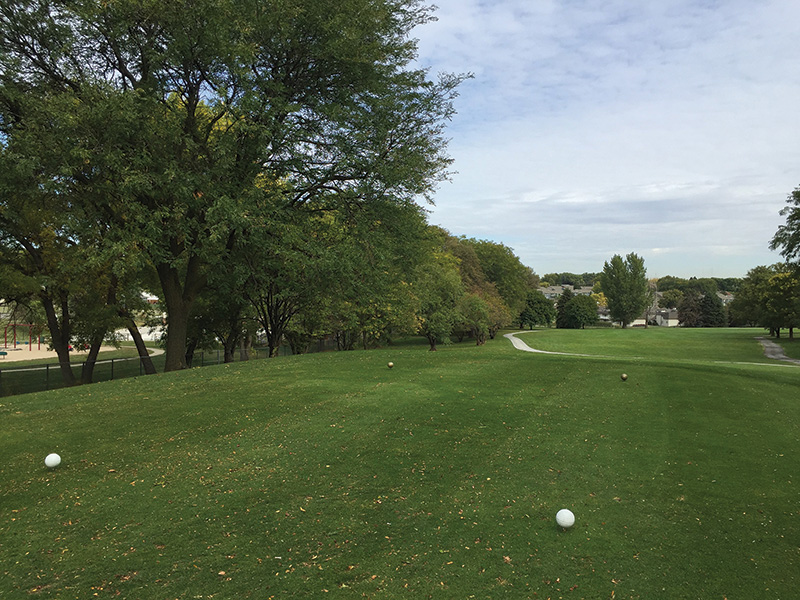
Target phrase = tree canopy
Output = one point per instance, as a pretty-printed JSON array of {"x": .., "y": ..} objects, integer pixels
[
  {"x": 787, "y": 238},
  {"x": 769, "y": 297},
  {"x": 538, "y": 310},
  {"x": 624, "y": 283},
  {"x": 164, "y": 130}
]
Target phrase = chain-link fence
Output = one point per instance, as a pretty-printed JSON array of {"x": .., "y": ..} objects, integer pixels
[{"x": 39, "y": 377}]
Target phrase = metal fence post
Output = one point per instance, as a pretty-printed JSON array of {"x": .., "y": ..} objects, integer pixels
[{"x": 112, "y": 369}]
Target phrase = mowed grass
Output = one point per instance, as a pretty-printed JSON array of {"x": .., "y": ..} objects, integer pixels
[
  {"x": 332, "y": 474},
  {"x": 655, "y": 343},
  {"x": 791, "y": 346}
]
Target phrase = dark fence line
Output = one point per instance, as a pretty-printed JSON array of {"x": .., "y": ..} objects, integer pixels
[{"x": 39, "y": 378}]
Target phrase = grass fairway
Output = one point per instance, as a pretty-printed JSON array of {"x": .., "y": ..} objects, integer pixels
[{"x": 440, "y": 478}]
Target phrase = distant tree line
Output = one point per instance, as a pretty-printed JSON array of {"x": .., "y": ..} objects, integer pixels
[
  {"x": 696, "y": 299},
  {"x": 573, "y": 279}
]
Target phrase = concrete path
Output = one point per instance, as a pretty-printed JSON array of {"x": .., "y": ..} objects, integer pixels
[
  {"x": 520, "y": 345},
  {"x": 771, "y": 350},
  {"x": 775, "y": 351}
]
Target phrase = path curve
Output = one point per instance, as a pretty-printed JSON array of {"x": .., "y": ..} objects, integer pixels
[
  {"x": 771, "y": 351},
  {"x": 775, "y": 351},
  {"x": 520, "y": 345}
]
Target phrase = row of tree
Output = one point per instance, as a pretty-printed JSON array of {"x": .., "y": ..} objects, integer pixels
[
  {"x": 769, "y": 297},
  {"x": 227, "y": 155},
  {"x": 622, "y": 287},
  {"x": 573, "y": 279}
]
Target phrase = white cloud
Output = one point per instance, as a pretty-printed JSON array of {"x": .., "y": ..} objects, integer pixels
[{"x": 593, "y": 128}]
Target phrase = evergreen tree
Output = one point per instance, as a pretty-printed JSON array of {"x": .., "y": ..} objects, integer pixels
[
  {"x": 689, "y": 313},
  {"x": 712, "y": 312},
  {"x": 562, "y": 315}
]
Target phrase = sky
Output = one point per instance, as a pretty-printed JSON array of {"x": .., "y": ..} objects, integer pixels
[{"x": 592, "y": 128}]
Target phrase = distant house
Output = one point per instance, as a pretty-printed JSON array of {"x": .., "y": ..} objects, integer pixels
[
  {"x": 667, "y": 317},
  {"x": 150, "y": 298},
  {"x": 725, "y": 297},
  {"x": 553, "y": 292},
  {"x": 662, "y": 317}
]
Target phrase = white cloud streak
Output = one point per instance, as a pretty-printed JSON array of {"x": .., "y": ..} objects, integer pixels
[{"x": 600, "y": 127}]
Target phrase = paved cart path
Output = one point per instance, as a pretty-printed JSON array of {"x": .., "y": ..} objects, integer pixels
[
  {"x": 771, "y": 350},
  {"x": 775, "y": 351}
]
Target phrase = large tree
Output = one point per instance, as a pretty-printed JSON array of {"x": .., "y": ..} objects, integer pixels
[
  {"x": 624, "y": 283},
  {"x": 582, "y": 311},
  {"x": 474, "y": 314},
  {"x": 712, "y": 311},
  {"x": 504, "y": 269},
  {"x": 575, "y": 311},
  {"x": 176, "y": 111},
  {"x": 438, "y": 289},
  {"x": 765, "y": 298},
  {"x": 787, "y": 238},
  {"x": 538, "y": 310},
  {"x": 562, "y": 314},
  {"x": 689, "y": 312},
  {"x": 781, "y": 300}
]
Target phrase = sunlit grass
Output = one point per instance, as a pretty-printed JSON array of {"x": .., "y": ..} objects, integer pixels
[
  {"x": 661, "y": 343},
  {"x": 441, "y": 477}
]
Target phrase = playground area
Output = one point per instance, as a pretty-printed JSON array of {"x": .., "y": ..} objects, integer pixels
[
  {"x": 21, "y": 343},
  {"x": 26, "y": 351}
]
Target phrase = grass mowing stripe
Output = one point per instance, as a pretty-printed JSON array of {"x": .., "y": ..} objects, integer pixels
[{"x": 439, "y": 477}]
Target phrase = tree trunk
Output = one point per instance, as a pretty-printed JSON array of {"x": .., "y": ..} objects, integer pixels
[
  {"x": 189, "y": 355},
  {"x": 179, "y": 299},
  {"x": 244, "y": 349},
  {"x": 87, "y": 372},
  {"x": 144, "y": 355},
  {"x": 228, "y": 348},
  {"x": 432, "y": 341},
  {"x": 59, "y": 335}
]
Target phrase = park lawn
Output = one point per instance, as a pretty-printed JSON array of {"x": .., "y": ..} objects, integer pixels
[
  {"x": 790, "y": 346},
  {"x": 655, "y": 343},
  {"x": 441, "y": 477}
]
